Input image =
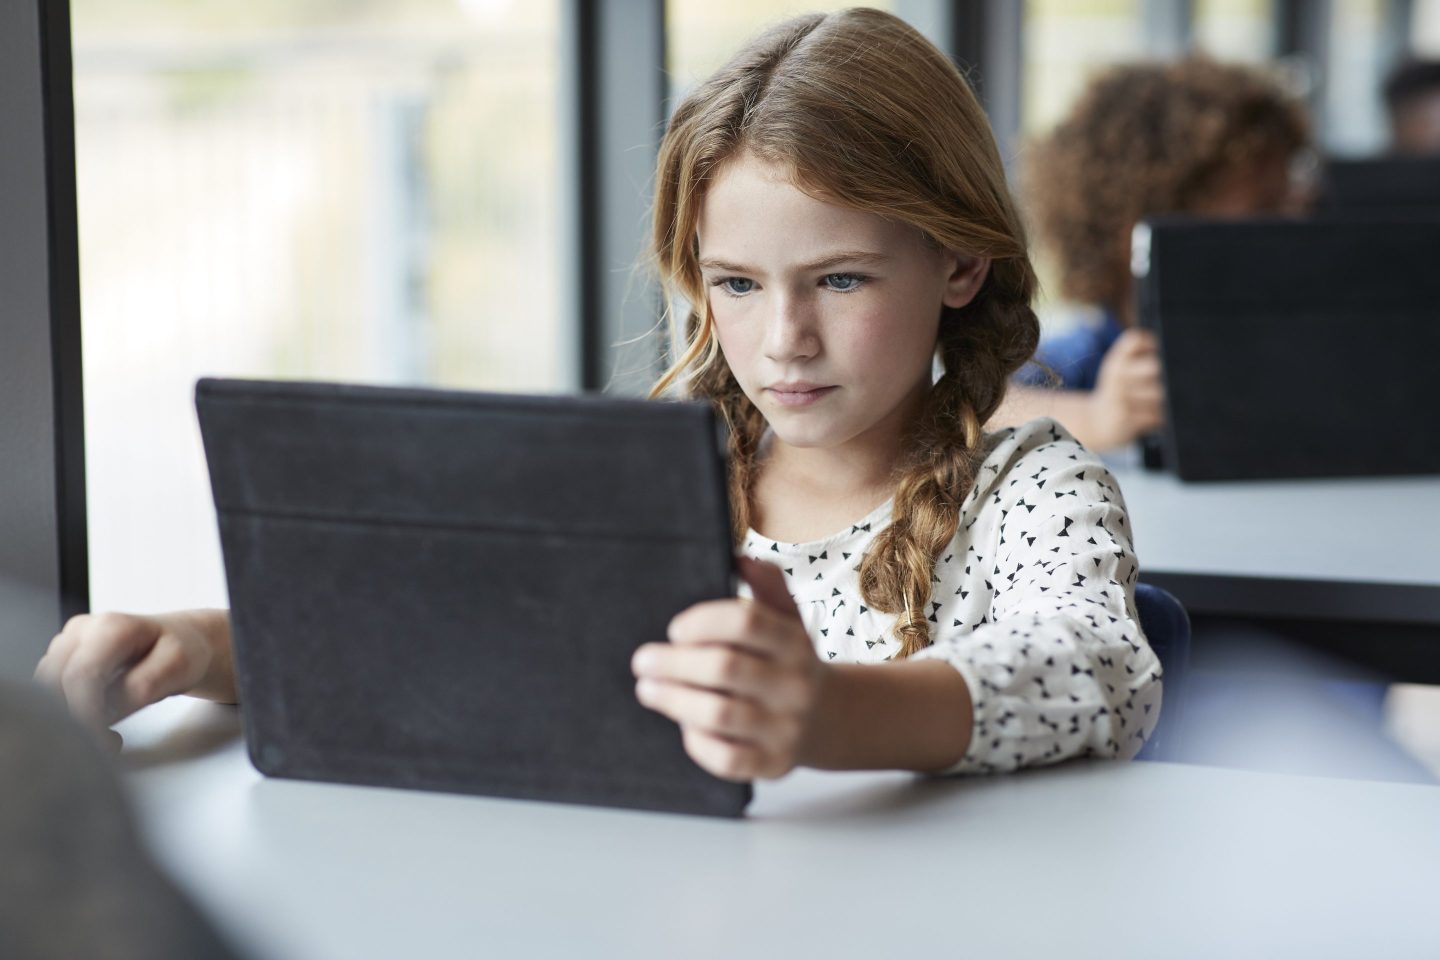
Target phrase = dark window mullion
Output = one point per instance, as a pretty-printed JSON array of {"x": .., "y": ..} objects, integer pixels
[{"x": 44, "y": 574}]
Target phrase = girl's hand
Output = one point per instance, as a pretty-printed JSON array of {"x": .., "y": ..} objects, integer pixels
[
  {"x": 106, "y": 666},
  {"x": 740, "y": 677},
  {"x": 1129, "y": 396}
]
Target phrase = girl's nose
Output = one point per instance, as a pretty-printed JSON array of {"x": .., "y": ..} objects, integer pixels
[{"x": 790, "y": 332}]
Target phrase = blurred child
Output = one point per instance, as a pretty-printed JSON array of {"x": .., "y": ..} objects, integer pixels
[{"x": 1194, "y": 137}]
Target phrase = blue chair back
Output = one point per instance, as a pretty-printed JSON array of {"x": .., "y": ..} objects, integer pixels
[{"x": 1167, "y": 627}]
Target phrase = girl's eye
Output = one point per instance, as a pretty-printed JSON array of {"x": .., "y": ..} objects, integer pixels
[
  {"x": 843, "y": 282},
  {"x": 735, "y": 286}
]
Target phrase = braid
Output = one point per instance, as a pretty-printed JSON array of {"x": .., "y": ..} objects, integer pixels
[{"x": 981, "y": 345}]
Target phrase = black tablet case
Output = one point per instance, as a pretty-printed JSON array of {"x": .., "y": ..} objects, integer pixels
[
  {"x": 1296, "y": 349},
  {"x": 442, "y": 590},
  {"x": 1382, "y": 188}
]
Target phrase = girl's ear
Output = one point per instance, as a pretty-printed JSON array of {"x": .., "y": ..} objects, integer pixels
[{"x": 967, "y": 276}]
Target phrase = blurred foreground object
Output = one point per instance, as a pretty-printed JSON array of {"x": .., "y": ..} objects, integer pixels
[{"x": 77, "y": 883}]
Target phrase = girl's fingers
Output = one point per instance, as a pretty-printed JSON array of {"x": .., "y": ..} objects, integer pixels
[
  {"x": 84, "y": 682},
  {"x": 1145, "y": 370},
  {"x": 165, "y": 671},
  {"x": 715, "y": 666},
  {"x": 1135, "y": 342},
  {"x": 112, "y": 642},
  {"x": 743, "y": 623},
  {"x": 52, "y": 664},
  {"x": 727, "y": 759},
  {"x": 715, "y": 713},
  {"x": 1146, "y": 403},
  {"x": 767, "y": 584},
  {"x": 723, "y": 668}
]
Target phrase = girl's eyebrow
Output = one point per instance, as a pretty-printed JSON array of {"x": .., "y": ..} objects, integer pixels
[{"x": 863, "y": 257}]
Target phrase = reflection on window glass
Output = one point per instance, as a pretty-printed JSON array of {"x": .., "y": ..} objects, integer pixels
[
  {"x": 1065, "y": 41},
  {"x": 701, "y": 35},
  {"x": 1242, "y": 30},
  {"x": 1361, "y": 50},
  {"x": 297, "y": 188}
]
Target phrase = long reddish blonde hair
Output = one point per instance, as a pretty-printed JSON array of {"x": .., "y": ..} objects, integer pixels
[{"x": 868, "y": 114}]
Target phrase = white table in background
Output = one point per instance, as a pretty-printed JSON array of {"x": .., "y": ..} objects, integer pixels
[{"x": 1350, "y": 549}]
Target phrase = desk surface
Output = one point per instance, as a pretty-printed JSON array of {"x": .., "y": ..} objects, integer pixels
[
  {"x": 1362, "y": 549},
  {"x": 1375, "y": 530},
  {"x": 1082, "y": 860}
]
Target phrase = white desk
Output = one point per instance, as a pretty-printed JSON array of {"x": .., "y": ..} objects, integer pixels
[
  {"x": 1085, "y": 860},
  {"x": 1362, "y": 549}
]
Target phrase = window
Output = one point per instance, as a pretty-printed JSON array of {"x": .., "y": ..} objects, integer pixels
[
  {"x": 298, "y": 189},
  {"x": 1237, "y": 30},
  {"x": 1065, "y": 42},
  {"x": 1361, "y": 50}
]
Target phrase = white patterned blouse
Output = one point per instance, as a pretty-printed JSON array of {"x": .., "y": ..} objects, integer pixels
[{"x": 1033, "y": 602}]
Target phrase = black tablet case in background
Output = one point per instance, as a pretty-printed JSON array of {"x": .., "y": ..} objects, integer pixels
[
  {"x": 1296, "y": 349},
  {"x": 1405, "y": 188},
  {"x": 442, "y": 590}
]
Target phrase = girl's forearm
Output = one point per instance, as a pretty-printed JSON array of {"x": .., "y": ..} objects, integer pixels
[
  {"x": 892, "y": 716},
  {"x": 218, "y": 683}
]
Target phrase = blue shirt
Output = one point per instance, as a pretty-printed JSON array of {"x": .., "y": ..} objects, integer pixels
[{"x": 1074, "y": 355}]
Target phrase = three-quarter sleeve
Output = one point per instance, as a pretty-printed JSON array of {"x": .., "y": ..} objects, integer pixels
[{"x": 1057, "y": 665}]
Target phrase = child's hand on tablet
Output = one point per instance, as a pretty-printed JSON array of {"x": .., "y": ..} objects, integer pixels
[
  {"x": 106, "y": 666},
  {"x": 740, "y": 677}
]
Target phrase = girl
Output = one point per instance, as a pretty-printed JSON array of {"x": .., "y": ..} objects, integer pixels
[{"x": 923, "y": 595}]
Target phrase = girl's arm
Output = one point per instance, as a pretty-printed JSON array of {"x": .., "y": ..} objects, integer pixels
[
  {"x": 742, "y": 679},
  {"x": 912, "y": 715},
  {"x": 1058, "y": 666}
]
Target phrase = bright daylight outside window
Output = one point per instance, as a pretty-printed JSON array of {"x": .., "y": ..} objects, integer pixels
[
  {"x": 1236, "y": 30},
  {"x": 360, "y": 190}
]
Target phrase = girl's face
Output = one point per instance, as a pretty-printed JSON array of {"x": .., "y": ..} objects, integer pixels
[{"x": 827, "y": 316}]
